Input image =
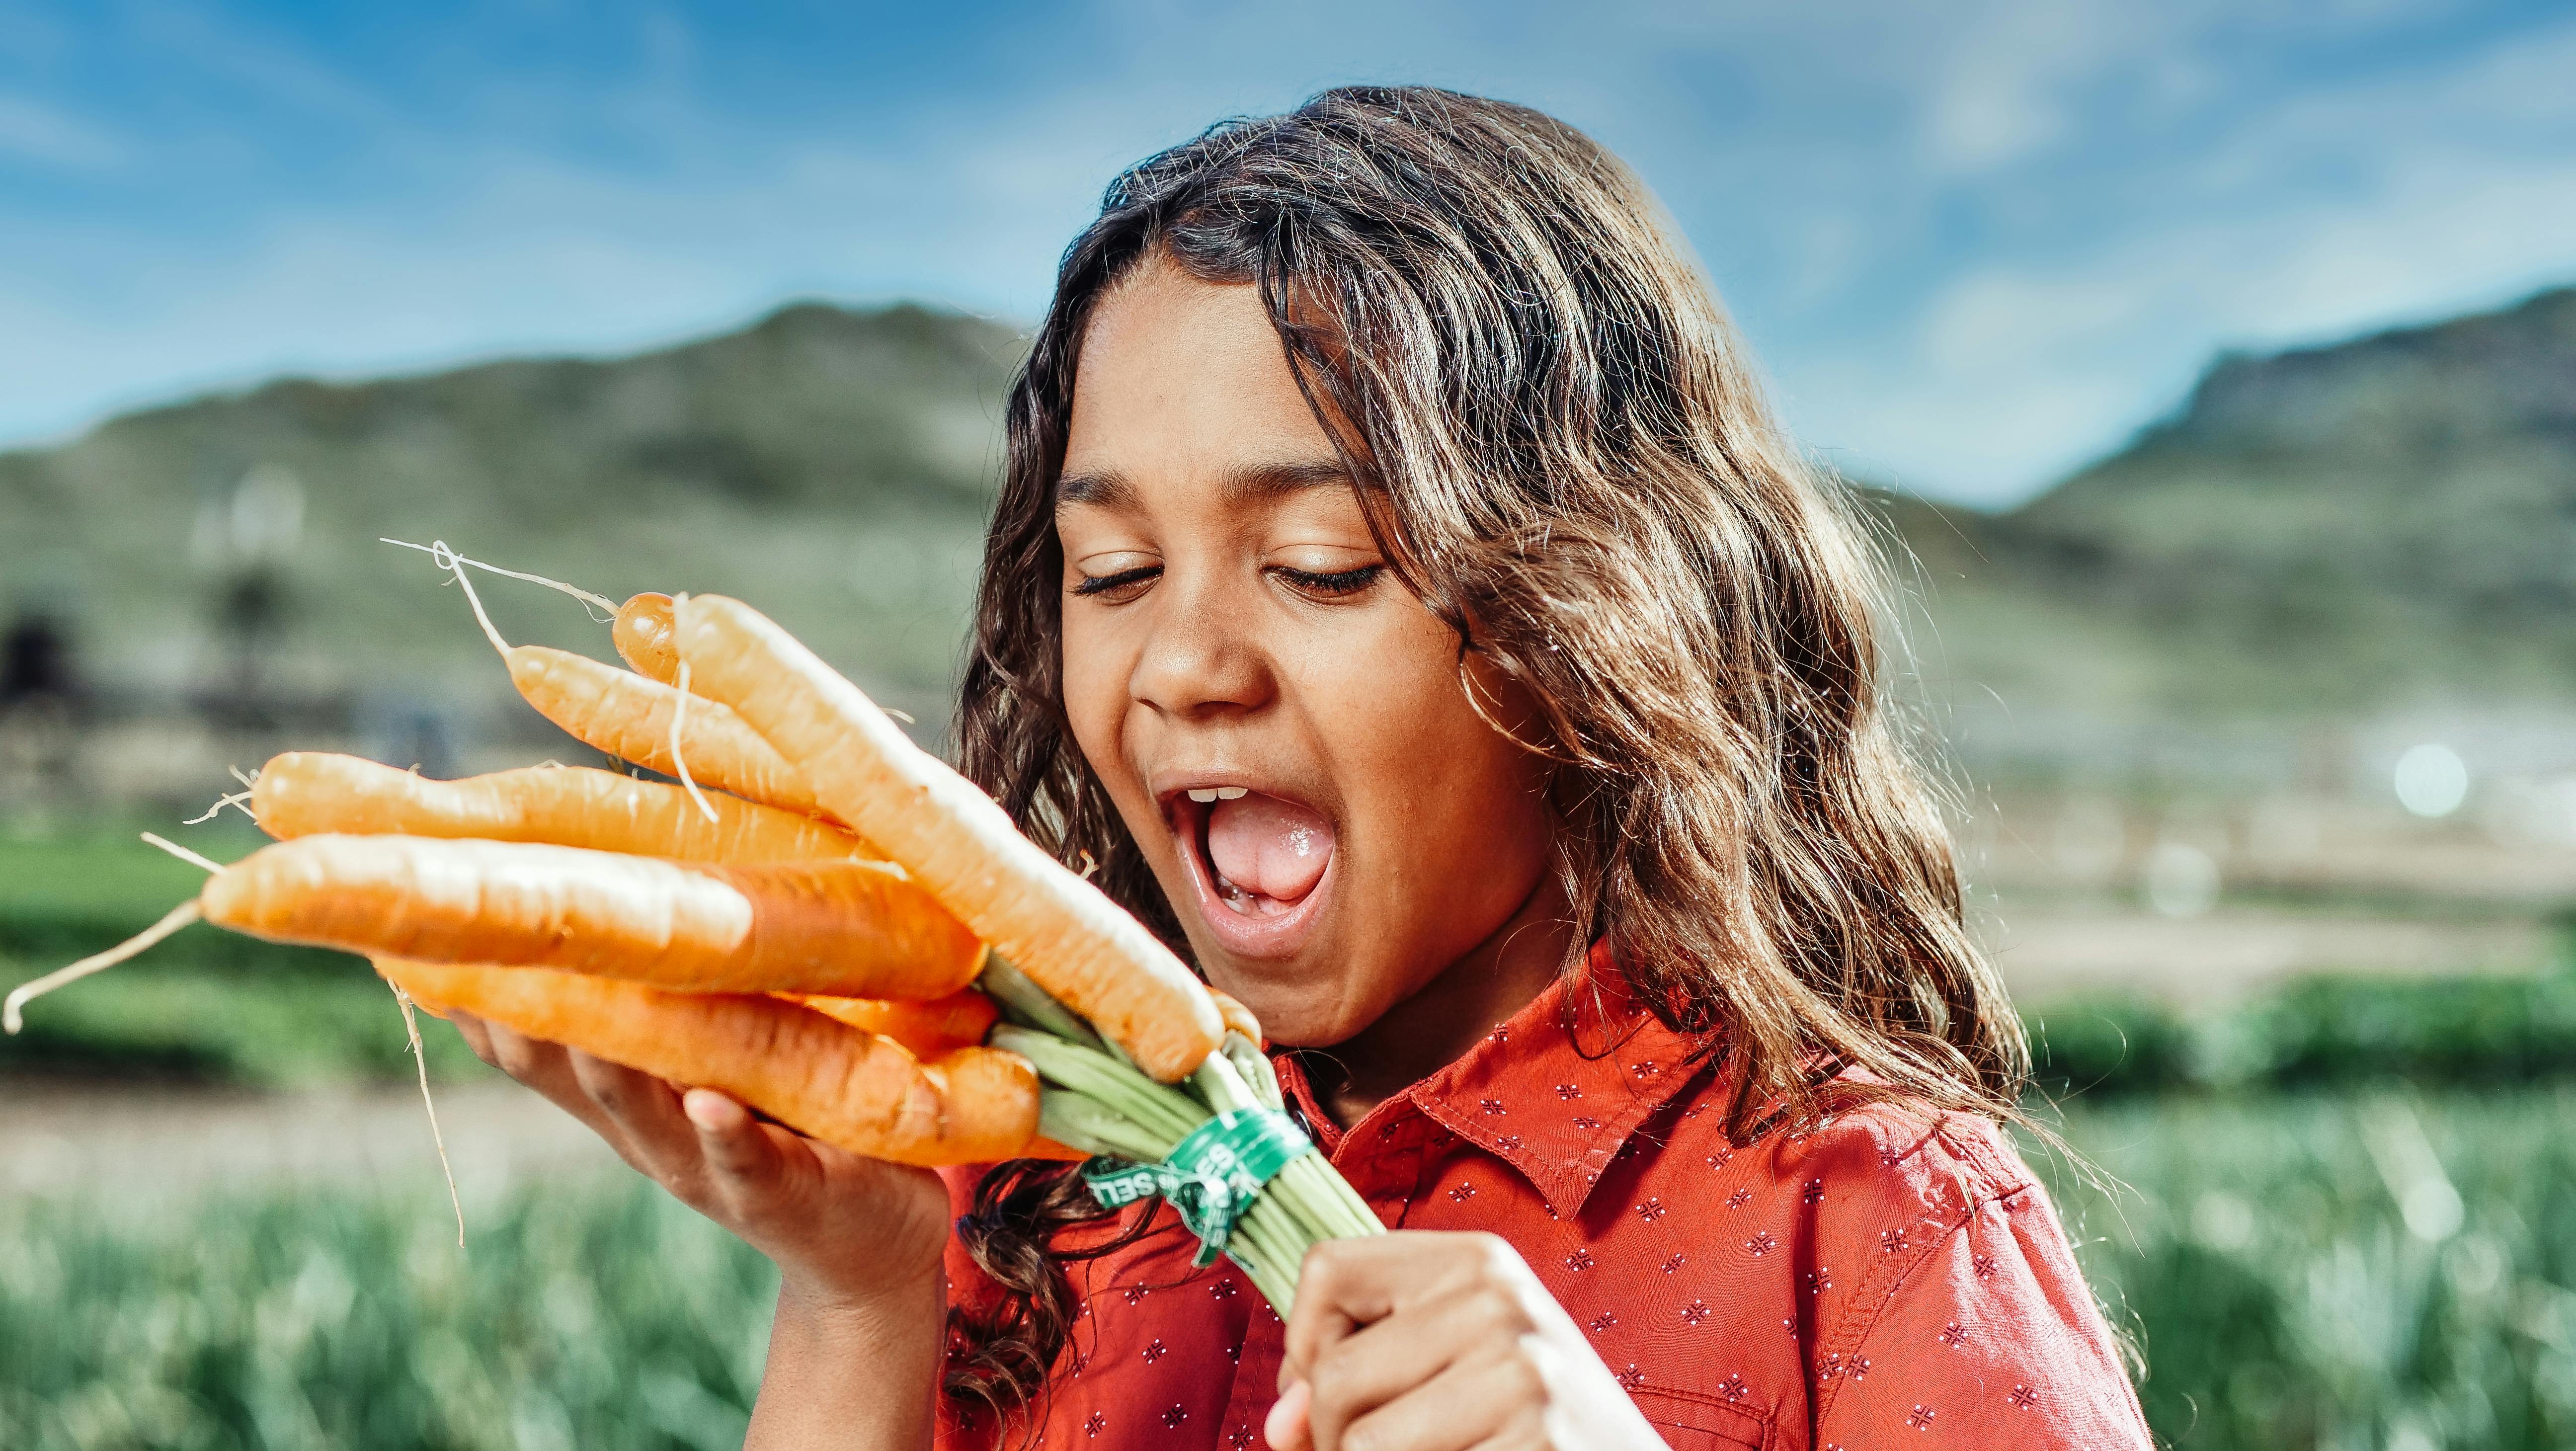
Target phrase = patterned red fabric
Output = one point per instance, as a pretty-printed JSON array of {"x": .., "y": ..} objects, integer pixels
[{"x": 1893, "y": 1279}]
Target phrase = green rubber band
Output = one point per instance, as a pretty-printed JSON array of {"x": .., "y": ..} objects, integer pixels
[{"x": 1211, "y": 1177}]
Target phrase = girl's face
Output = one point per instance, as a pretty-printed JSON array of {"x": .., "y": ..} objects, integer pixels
[{"x": 1281, "y": 723}]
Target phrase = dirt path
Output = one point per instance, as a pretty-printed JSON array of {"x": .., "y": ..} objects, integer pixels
[
  {"x": 139, "y": 1141},
  {"x": 2046, "y": 951}
]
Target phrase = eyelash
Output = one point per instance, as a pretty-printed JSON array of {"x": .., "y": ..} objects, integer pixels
[
  {"x": 1093, "y": 584},
  {"x": 1338, "y": 582}
]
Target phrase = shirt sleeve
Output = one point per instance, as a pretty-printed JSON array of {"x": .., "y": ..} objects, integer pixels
[{"x": 1991, "y": 1339}]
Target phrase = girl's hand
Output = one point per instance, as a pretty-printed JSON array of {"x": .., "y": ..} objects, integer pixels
[
  {"x": 846, "y": 1232},
  {"x": 1418, "y": 1341}
]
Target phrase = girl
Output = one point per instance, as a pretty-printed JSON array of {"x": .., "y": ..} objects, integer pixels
[{"x": 1400, "y": 596}]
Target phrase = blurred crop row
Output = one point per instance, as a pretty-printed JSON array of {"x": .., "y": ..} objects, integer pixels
[
  {"x": 2339, "y": 1214},
  {"x": 2298, "y": 1271}
]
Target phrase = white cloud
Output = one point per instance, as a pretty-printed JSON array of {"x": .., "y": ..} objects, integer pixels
[
  {"x": 1824, "y": 158},
  {"x": 30, "y": 130},
  {"x": 1999, "y": 94},
  {"x": 2011, "y": 374}
]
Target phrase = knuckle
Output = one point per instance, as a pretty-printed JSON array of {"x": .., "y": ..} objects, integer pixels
[
  {"x": 1495, "y": 1259},
  {"x": 605, "y": 1090},
  {"x": 740, "y": 1171},
  {"x": 519, "y": 1057},
  {"x": 1496, "y": 1311},
  {"x": 1328, "y": 1263},
  {"x": 1334, "y": 1372},
  {"x": 1522, "y": 1383}
]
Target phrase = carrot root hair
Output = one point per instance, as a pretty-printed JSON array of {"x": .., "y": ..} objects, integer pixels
[
  {"x": 679, "y": 762},
  {"x": 411, "y": 1028},
  {"x": 12, "y": 1013},
  {"x": 238, "y": 799},
  {"x": 438, "y": 546},
  {"x": 182, "y": 853}
]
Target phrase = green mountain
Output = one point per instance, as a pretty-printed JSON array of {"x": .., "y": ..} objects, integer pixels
[
  {"x": 833, "y": 466},
  {"x": 2324, "y": 531}
]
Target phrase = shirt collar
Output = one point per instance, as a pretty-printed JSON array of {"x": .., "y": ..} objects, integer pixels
[{"x": 1558, "y": 1089}]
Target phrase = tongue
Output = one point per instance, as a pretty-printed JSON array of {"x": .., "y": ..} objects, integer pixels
[{"x": 1268, "y": 847}]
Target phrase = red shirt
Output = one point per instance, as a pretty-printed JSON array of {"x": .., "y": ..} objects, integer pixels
[{"x": 1893, "y": 1279}]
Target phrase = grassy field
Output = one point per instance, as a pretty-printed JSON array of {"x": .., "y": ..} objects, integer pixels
[
  {"x": 2313, "y": 1254},
  {"x": 2301, "y": 1272},
  {"x": 603, "y": 1315}
]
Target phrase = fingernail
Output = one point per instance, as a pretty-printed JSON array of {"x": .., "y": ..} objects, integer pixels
[
  {"x": 1285, "y": 1427},
  {"x": 708, "y": 1109}
]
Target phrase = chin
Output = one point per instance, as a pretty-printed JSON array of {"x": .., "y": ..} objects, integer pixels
[{"x": 1294, "y": 1012}]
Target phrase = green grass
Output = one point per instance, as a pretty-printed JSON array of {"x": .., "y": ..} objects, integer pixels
[
  {"x": 2265, "y": 1260},
  {"x": 206, "y": 1006},
  {"x": 2262, "y": 1261},
  {"x": 2470, "y": 1030},
  {"x": 2284, "y": 1298},
  {"x": 604, "y": 1315}
]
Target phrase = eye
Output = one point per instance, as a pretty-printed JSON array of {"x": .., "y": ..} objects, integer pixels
[
  {"x": 1331, "y": 584},
  {"x": 1119, "y": 586}
]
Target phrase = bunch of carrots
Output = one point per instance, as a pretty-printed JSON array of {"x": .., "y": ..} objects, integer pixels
[{"x": 821, "y": 920}]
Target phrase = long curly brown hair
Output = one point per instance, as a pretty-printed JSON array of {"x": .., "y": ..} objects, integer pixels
[{"x": 1563, "y": 451}]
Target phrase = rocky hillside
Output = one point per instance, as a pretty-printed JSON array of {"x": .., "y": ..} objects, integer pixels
[
  {"x": 2335, "y": 529},
  {"x": 2354, "y": 523},
  {"x": 833, "y": 465}
]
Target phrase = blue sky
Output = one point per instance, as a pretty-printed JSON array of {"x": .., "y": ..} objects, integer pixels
[{"x": 1973, "y": 244}]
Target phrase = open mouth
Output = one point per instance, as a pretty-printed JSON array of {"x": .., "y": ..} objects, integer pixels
[{"x": 1260, "y": 865}]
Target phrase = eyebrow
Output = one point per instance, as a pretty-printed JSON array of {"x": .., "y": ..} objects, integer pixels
[{"x": 1256, "y": 483}]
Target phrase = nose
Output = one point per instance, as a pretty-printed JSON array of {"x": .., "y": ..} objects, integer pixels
[{"x": 1201, "y": 657}]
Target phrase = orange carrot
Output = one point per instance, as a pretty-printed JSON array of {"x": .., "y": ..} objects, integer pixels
[
  {"x": 1238, "y": 1018},
  {"x": 308, "y": 793},
  {"x": 1076, "y": 943},
  {"x": 852, "y": 1089},
  {"x": 928, "y": 1029},
  {"x": 629, "y": 717},
  {"x": 642, "y": 633},
  {"x": 845, "y": 928}
]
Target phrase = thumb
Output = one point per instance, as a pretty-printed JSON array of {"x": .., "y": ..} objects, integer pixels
[
  {"x": 1288, "y": 1427},
  {"x": 738, "y": 1151}
]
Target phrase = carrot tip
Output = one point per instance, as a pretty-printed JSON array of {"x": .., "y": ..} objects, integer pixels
[{"x": 12, "y": 1016}]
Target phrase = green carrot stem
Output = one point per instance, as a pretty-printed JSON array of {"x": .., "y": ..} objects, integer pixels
[
  {"x": 1254, "y": 1067},
  {"x": 1082, "y": 1123},
  {"x": 1023, "y": 1002},
  {"x": 1341, "y": 1212},
  {"x": 1114, "y": 1085},
  {"x": 1221, "y": 1084}
]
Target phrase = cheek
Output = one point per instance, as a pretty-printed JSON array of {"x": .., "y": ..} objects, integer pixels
[
  {"x": 1459, "y": 803},
  {"x": 1095, "y": 675}
]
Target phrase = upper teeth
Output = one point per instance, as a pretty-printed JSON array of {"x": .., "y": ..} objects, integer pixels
[{"x": 1219, "y": 793}]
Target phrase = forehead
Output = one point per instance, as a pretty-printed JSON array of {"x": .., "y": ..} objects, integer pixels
[{"x": 1182, "y": 381}]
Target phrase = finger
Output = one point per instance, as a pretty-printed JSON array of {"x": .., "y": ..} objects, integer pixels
[
  {"x": 470, "y": 1028},
  {"x": 1347, "y": 1283},
  {"x": 1391, "y": 1358},
  {"x": 533, "y": 1061},
  {"x": 737, "y": 1149},
  {"x": 646, "y": 1112},
  {"x": 547, "y": 1068},
  {"x": 1287, "y": 1428},
  {"x": 1469, "y": 1404}
]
